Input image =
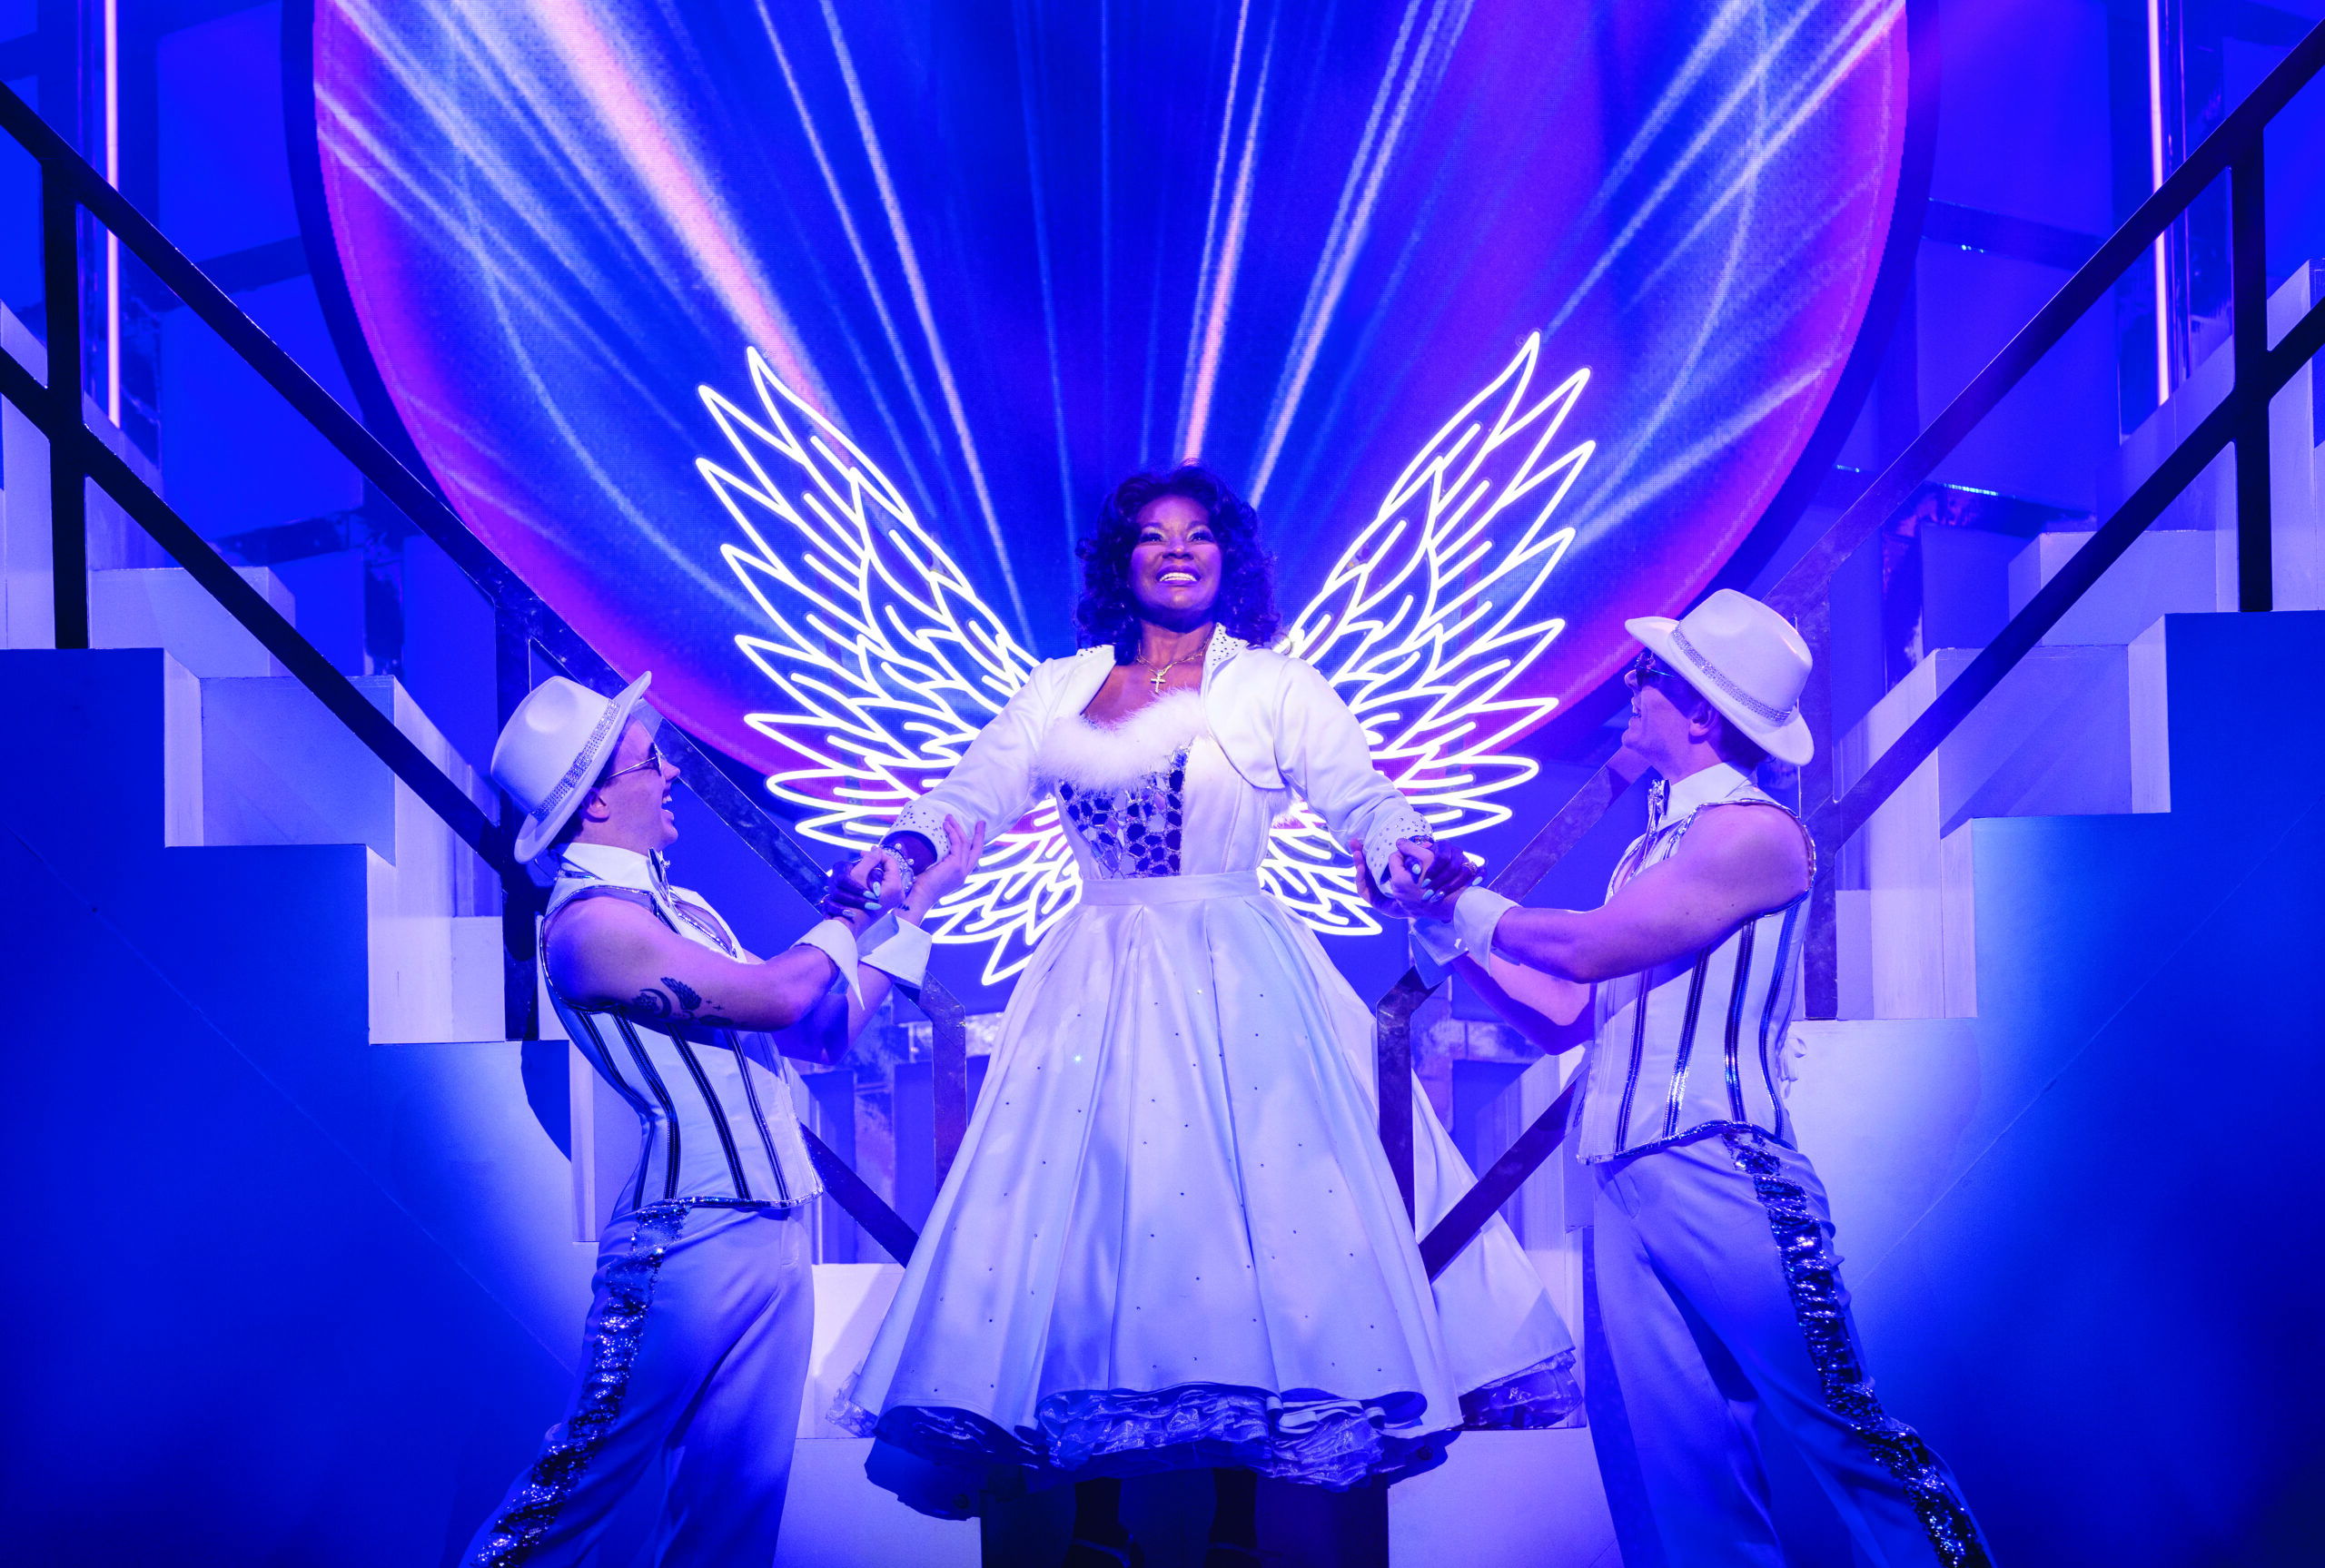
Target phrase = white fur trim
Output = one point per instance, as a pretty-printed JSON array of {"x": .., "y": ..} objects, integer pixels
[{"x": 1095, "y": 757}]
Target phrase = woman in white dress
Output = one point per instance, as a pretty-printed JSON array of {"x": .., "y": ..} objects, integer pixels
[{"x": 1171, "y": 1238}]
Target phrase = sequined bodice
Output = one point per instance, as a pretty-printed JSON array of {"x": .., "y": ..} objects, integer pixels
[
  {"x": 1133, "y": 831},
  {"x": 1154, "y": 796}
]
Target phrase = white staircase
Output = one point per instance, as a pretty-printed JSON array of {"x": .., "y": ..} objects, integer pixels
[{"x": 1881, "y": 1095}]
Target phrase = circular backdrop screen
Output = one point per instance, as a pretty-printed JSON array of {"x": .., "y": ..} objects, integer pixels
[{"x": 786, "y": 345}]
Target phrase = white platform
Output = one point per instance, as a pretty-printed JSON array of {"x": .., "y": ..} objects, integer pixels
[
  {"x": 2056, "y": 738},
  {"x": 835, "y": 1518},
  {"x": 1505, "y": 1500}
]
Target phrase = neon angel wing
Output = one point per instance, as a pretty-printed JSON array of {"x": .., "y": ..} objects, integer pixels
[
  {"x": 1431, "y": 619},
  {"x": 887, "y": 663},
  {"x": 885, "y": 660}
]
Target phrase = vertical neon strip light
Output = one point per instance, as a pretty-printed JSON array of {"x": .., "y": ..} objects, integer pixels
[
  {"x": 113, "y": 240},
  {"x": 2155, "y": 170}
]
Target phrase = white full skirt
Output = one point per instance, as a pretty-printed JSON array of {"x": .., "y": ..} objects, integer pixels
[{"x": 1172, "y": 1239}]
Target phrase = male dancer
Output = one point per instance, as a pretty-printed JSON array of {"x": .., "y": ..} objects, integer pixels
[
  {"x": 1717, "y": 1292},
  {"x": 703, "y": 1305}
]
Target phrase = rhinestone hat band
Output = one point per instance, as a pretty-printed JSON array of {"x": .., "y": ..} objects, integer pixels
[
  {"x": 1751, "y": 703},
  {"x": 572, "y": 778}
]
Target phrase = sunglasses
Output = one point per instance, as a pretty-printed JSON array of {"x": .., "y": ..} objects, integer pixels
[
  {"x": 653, "y": 760},
  {"x": 1645, "y": 668}
]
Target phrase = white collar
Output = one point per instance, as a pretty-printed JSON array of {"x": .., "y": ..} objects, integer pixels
[
  {"x": 622, "y": 867},
  {"x": 649, "y": 874},
  {"x": 1223, "y": 647},
  {"x": 1672, "y": 802}
]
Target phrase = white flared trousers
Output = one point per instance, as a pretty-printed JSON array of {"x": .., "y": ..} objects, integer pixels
[
  {"x": 1715, "y": 1295},
  {"x": 699, "y": 1325}
]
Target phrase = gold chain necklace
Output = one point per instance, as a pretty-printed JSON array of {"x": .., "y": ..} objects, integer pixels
[{"x": 1161, "y": 671}]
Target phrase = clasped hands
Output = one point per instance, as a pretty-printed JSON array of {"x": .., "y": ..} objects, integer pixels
[
  {"x": 879, "y": 880},
  {"x": 1424, "y": 879}
]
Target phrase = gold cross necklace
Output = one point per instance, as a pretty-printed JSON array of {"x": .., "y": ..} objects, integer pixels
[{"x": 1163, "y": 671}]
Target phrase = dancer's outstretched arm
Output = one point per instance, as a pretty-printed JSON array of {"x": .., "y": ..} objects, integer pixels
[
  {"x": 606, "y": 953},
  {"x": 610, "y": 953},
  {"x": 1537, "y": 1005},
  {"x": 824, "y": 1032},
  {"x": 994, "y": 781},
  {"x": 1736, "y": 862}
]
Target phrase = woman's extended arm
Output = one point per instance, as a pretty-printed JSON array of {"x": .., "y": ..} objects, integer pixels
[
  {"x": 1324, "y": 755},
  {"x": 993, "y": 784}
]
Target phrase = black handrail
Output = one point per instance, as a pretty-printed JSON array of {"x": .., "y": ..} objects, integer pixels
[
  {"x": 76, "y": 452},
  {"x": 69, "y": 185},
  {"x": 1836, "y": 821},
  {"x": 2236, "y": 147}
]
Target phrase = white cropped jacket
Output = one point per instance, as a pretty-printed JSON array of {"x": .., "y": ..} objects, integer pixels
[{"x": 1276, "y": 718}]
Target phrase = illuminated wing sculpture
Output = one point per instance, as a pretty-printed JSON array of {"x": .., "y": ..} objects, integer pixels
[
  {"x": 887, "y": 663},
  {"x": 1430, "y": 614}
]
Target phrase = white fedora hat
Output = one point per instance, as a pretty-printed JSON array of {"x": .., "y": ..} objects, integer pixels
[
  {"x": 1744, "y": 659},
  {"x": 553, "y": 747}
]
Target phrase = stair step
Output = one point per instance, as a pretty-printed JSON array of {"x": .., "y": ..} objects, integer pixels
[
  {"x": 2165, "y": 572},
  {"x": 253, "y": 757},
  {"x": 290, "y": 1342},
  {"x": 2207, "y": 509},
  {"x": 2061, "y": 1218},
  {"x": 836, "y": 1518},
  {"x": 2072, "y": 731},
  {"x": 163, "y": 607}
]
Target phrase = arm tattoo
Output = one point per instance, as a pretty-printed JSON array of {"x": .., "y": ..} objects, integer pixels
[{"x": 681, "y": 1004}]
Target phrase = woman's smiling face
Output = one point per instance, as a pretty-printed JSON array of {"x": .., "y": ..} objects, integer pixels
[{"x": 1174, "y": 566}]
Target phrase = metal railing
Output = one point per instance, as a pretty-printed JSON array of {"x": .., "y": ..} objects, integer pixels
[
  {"x": 77, "y": 457},
  {"x": 2236, "y": 148}
]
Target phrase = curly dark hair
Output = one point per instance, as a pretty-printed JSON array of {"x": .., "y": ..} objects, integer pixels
[{"x": 1108, "y": 612}]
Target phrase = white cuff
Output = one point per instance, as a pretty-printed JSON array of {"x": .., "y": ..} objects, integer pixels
[
  {"x": 837, "y": 943},
  {"x": 1475, "y": 914},
  {"x": 1381, "y": 843},
  {"x": 925, "y": 819},
  {"x": 896, "y": 948},
  {"x": 1435, "y": 945}
]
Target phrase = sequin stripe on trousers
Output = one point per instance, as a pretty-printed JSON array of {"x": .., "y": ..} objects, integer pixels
[
  {"x": 612, "y": 1352},
  {"x": 1813, "y": 1279}
]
